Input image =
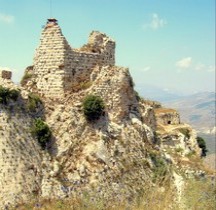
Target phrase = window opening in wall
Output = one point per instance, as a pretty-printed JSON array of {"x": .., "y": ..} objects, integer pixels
[{"x": 169, "y": 122}]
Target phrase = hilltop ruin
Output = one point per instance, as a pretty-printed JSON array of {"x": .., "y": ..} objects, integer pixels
[
  {"x": 114, "y": 157},
  {"x": 59, "y": 67}
]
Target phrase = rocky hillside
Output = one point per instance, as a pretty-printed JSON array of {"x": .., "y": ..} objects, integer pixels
[{"x": 130, "y": 144}]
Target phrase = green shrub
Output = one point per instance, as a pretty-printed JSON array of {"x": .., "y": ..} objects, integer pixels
[
  {"x": 93, "y": 107},
  {"x": 41, "y": 131},
  {"x": 33, "y": 102},
  {"x": 6, "y": 94},
  {"x": 159, "y": 169},
  {"x": 14, "y": 94},
  {"x": 185, "y": 131},
  {"x": 202, "y": 144},
  {"x": 25, "y": 78}
]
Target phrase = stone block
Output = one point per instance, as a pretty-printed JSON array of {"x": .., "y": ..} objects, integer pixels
[{"x": 5, "y": 74}]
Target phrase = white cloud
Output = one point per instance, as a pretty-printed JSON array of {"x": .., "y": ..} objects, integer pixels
[
  {"x": 203, "y": 67},
  {"x": 211, "y": 69},
  {"x": 156, "y": 22},
  {"x": 184, "y": 63},
  {"x": 147, "y": 68},
  {"x": 6, "y": 18}
]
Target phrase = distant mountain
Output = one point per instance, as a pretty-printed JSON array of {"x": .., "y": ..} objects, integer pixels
[{"x": 158, "y": 94}]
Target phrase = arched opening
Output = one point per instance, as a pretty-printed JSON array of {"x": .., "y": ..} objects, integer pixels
[{"x": 169, "y": 122}]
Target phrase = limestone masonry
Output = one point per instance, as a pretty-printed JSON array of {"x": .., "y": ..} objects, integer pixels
[
  {"x": 59, "y": 67},
  {"x": 4, "y": 74}
]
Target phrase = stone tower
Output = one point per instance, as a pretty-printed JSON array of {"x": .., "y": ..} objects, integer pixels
[{"x": 58, "y": 67}]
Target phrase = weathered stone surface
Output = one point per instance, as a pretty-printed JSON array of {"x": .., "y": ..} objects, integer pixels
[
  {"x": 59, "y": 67},
  {"x": 20, "y": 158},
  {"x": 167, "y": 116},
  {"x": 5, "y": 74}
]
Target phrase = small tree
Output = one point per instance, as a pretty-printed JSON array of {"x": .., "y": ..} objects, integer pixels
[
  {"x": 41, "y": 131},
  {"x": 93, "y": 107},
  {"x": 202, "y": 144}
]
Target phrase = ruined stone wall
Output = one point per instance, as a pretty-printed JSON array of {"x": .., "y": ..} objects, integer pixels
[
  {"x": 20, "y": 158},
  {"x": 103, "y": 44},
  {"x": 79, "y": 66},
  {"x": 58, "y": 67},
  {"x": 4, "y": 74},
  {"x": 167, "y": 116},
  {"x": 49, "y": 61}
]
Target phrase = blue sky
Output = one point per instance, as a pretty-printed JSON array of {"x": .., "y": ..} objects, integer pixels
[{"x": 169, "y": 44}]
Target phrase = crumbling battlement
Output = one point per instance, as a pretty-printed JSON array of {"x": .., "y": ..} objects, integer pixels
[
  {"x": 5, "y": 74},
  {"x": 58, "y": 66},
  {"x": 166, "y": 116}
]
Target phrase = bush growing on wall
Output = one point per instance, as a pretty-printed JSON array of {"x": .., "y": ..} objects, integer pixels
[
  {"x": 33, "y": 102},
  {"x": 41, "y": 131},
  {"x": 6, "y": 94},
  {"x": 202, "y": 145},
  {"x": 13, "y": 94},
  {"x": 93, "y": 107},
  {"x": 25, "y": 78}
]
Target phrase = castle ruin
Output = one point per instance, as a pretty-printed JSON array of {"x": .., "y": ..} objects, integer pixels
[{"x": 59, "y": 67}]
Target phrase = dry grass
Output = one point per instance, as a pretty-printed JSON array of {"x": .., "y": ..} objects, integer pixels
[
  {"x": 198, "y": 195},
  {"x": 164, "y": 110},
  {"x": 152, "y": 199}
]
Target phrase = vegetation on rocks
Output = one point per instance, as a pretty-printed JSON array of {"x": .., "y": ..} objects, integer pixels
[
  {"x": 198, "y": 194},
  {"x": 93, "y": 107},
  {"x": 34, "y": 102},
  {"x": 6, "y": 94},
  {"x": 160, "y": 168},
  {"x": 185, "y": 131},
  {"x": 202, "y": 144},
  {"x": 41, "y": 131},
  {"x": 25, "y": 78}
]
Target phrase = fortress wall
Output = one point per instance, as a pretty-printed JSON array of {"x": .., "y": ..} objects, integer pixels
[
  {"x": 48, "y": 61},
  {"x": 58, "y": 67},
  {"x": 4, "y": 74},
  {"x": 20, "y": 158},
  {"x": 79, "y": 67},
  {"x": 167, "y": 116}
]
